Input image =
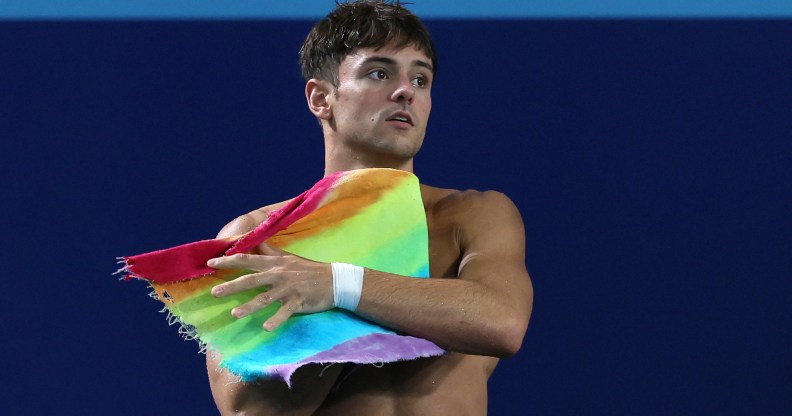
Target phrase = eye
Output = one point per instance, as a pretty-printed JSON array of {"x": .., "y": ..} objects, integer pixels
[
  {"x": 420, "y": 82},
  {"x": 378, "y": 74}
]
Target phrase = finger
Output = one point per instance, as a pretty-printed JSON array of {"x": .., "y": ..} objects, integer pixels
[
  {"x": 243, "y": 283},
  {"x": 261, "y": 301},
  {"x": 285, "y": 311},
  {"x": 239, "y": 261},
  {"x": 273, "y": 252}
]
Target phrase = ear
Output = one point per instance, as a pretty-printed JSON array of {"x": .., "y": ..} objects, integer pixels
[{"x": 317, "y": 93}]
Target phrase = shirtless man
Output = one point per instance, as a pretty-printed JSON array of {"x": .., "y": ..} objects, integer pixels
[{"x": 369, "y": 68}]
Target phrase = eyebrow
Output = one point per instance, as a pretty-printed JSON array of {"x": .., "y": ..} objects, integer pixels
[{"x": 392, "y": 62}]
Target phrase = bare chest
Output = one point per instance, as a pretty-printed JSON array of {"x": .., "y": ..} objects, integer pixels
[
  {"x": 445, "y": 252},
  {"x": 451, "y": 384},
  {"x": 454, "y": 384}
]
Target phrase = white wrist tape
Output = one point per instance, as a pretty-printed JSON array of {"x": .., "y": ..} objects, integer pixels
[{"x": 347, "y": 285}]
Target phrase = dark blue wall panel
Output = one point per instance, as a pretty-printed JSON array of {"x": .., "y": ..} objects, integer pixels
[{"x": 650, "y": 161}]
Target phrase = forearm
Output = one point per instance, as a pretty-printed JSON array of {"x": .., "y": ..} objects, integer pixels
[{"x": 456, "y": 314}]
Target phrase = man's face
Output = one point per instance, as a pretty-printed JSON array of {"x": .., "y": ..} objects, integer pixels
[{"x": 382, "y": 102}]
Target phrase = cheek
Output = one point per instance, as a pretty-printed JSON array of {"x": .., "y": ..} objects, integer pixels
[
  {"x": 358, "y": 106},
  {"x": 426, "y": 108}
]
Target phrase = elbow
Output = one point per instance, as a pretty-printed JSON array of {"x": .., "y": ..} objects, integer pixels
[
  {"x": 512, "y": 329},
  {"x": 511, "y": 347},
  {"x": 508, "y": 338}
]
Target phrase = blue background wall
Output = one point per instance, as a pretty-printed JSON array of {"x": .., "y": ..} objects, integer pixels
[{"x": 650, "y": 160}]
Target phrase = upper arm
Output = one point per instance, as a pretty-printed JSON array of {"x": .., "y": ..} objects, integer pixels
[
  {"x": 493, "y": 255},
  {"x": 240, "y": 225},
  {"x": 247, "y": 222}
]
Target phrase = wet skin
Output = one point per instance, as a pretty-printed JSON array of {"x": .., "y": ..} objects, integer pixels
[{"x": 477, "y": 302}]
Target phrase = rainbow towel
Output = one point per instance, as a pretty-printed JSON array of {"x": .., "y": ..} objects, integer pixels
[{"x": 370, "y": 217}]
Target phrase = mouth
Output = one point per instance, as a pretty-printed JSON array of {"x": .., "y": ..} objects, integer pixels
[{"x": 402, "y": 117}]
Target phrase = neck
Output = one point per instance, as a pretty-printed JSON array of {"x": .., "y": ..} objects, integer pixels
[
  {"x": 342, "y": 158},
  {"x": 343, "y": 161}
]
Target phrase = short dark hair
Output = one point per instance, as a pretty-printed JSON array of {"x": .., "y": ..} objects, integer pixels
[{"x": 361, "y": 24}]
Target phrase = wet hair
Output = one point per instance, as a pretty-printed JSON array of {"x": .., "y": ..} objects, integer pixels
[{"x": 361, "y": 24}]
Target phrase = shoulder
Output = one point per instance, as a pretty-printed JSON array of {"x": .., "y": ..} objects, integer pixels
[
  {"x": 247, "y": 222},
  {"x": 475, "y": 216},
  {"x": 468, "y": 202}
]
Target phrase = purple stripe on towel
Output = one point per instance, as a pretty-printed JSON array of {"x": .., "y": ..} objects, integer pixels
[{"x": 369, "y": 349}]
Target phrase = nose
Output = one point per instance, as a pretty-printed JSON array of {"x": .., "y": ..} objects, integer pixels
[{"x": 404, "y": 91}]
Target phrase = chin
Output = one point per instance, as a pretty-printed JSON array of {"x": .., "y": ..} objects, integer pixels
[{"x": 389, "y": 149}]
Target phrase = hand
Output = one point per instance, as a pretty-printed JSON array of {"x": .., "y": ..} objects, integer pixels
[{"x": 301, "y": 285}]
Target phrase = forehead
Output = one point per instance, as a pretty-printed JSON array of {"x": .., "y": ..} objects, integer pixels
[{"x": 405, "y": 56}]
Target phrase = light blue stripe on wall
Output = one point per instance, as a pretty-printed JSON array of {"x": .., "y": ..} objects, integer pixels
[{"x": 311, "y": 9}]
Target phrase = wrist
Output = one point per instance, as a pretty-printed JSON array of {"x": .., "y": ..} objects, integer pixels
[{"x": 347, "y": 285}]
